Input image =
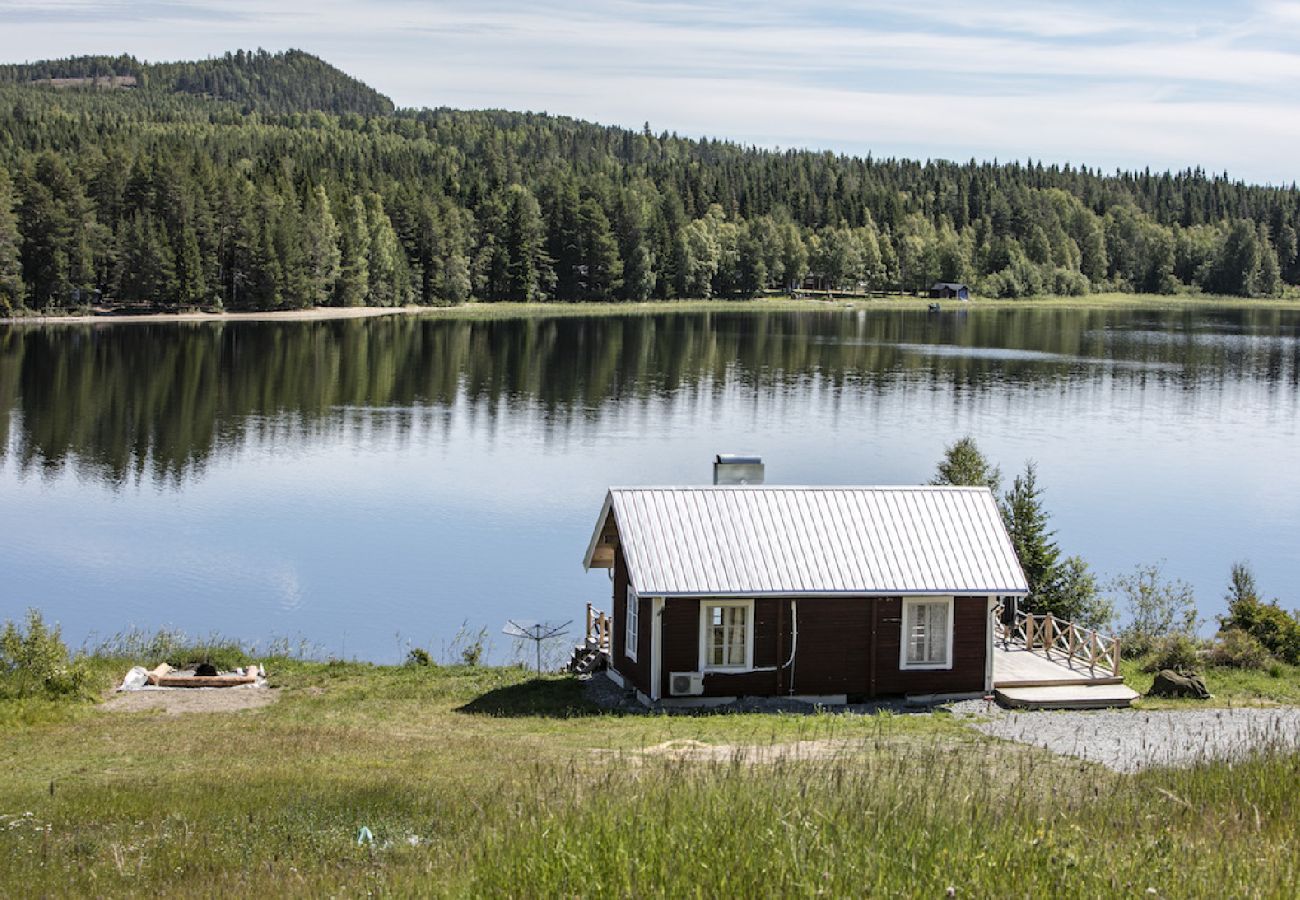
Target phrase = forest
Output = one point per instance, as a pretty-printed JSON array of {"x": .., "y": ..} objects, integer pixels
[{"x": 273, "y": 181}]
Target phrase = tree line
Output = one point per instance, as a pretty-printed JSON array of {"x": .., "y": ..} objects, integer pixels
[{"x": 185, "y": 191}]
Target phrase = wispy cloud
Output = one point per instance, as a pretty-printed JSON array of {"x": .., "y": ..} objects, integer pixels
[{"x": 1102, "y": 83}]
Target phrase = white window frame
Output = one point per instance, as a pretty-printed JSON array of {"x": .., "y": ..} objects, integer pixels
[
  {"x": 706, "y": 624},
  {"x": 631, "y": 623},
  {"x": 909, "y": 603}
]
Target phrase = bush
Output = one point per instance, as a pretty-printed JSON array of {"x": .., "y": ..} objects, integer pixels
[
  {"x": 36, "y": 663},
  {"x": 1239, "y": 650},
  {"x": 1276, "y": 629},
  {"x": 1179, "y": 652},
  {"x": 1157, "y": 609},
  {"x": 418, "y": 656}
]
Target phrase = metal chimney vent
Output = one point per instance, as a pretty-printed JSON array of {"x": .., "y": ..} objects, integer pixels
[{"x": 737, "y": 468}]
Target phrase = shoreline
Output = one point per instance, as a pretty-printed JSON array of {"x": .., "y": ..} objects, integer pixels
[{"x": 513, "y": 309}]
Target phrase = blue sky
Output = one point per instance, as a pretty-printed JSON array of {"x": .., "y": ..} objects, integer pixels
[{"x": 1098, "y": 83}]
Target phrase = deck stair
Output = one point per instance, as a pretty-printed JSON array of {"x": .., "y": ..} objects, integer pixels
[
  {"x": 592, "y": 654},
  {"x": 1041, "y": 662}
]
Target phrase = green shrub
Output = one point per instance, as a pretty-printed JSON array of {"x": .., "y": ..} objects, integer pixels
[
  {"x": 1239, "y": 650},
  {"x": 418, "y": 656},
  {"x": 1157, "y": 609},
  {"x": 1275, "y": 628},
  {"x": 36, "y": 663},
  {"x": 1179, "y": 652},
  {"x": 1272, "y": 626}
]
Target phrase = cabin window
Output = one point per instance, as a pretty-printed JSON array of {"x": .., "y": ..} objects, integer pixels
[
  {"x": 726, "y": 635},
  {"x": 632, "y": 624},
  {"x": 927, "y": 634}
]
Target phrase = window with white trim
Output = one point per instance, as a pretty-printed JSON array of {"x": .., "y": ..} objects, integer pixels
[
  {"x": 927, "y": 633},
  {"x": 726, "y": 635},
  {"x": 632, "y": 624}
]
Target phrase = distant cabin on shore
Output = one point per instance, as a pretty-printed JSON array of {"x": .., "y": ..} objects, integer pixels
[{"x": 948, "y": 290}]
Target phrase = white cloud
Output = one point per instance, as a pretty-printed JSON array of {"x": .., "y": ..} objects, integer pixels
[{"x": 1096, "y": 83}]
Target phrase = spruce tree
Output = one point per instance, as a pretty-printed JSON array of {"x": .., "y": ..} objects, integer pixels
[
  {"x": 454, "y": 283},
  {"x": 565, "y": 240},
  {"x": 964, "y": 464},
  {"x": 602, "y": 270},
  {"x": 1026, "y": 521},
  {"x": 1269, "y": 281},
  {"x": 190, "y": 280},
  {"x": 11, "y": 267},
  {"x": 528, "y": 275},
  {"x": 353, "y": 285},
  {"x": 389, "y": 275},
  {"x": 320, "y": 240}
]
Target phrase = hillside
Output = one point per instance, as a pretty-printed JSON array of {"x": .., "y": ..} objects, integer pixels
[
  {"x": 292, "y": 81},
  {"x": 301, "y": 187}
]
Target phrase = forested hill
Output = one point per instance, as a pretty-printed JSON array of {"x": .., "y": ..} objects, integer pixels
[
  {"x": 303, "y": 188},
  {"x": 288, "y": 82}
]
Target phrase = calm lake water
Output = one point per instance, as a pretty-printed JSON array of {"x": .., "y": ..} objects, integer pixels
[{"x": 367, "y": 483}]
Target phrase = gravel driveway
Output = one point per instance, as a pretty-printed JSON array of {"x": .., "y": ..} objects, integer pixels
[{"x": 1129, "y": 740}]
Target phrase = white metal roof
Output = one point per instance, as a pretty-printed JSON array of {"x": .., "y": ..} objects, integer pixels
[{"x": 794, "y": 541}]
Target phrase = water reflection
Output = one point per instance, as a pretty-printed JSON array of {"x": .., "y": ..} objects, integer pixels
[
  {"x": 347, "y": 481},
  {"x": 159, "y": 401}
]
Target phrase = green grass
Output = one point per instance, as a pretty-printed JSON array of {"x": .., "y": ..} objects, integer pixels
[
  {"x": 1279, "y": 684},
  {"x": 486, "y": 782}
]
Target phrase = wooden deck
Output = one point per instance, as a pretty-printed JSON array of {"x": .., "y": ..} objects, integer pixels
[{"x": 1029, "y": 679}]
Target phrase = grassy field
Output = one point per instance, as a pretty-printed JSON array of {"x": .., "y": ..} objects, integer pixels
[{"x": 483, "y": 781}]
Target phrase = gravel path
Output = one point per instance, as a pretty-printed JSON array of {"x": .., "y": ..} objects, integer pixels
[{"x": 1129, "y": 740}]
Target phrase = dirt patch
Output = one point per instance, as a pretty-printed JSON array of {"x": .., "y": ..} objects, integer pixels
[{"x": 192, "y": 700}]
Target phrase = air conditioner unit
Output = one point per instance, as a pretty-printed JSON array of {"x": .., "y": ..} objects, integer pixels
[{"x": 686, "y": 684}]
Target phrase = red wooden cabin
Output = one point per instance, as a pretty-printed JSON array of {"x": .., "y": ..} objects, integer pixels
[{"x": 827, "y": 594}]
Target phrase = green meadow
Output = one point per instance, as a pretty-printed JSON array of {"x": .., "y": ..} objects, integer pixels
[{"x": 480, "y": 781}]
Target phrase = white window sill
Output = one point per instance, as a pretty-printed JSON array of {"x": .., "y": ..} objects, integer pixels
[{"x": 933, "y": 667}]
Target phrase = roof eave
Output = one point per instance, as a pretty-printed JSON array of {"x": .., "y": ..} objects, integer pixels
[{"x": 918, "y": 592}]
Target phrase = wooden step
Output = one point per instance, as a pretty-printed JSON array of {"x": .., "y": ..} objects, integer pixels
[
  {"x": 1067, "y": 696},
  {"x": 1050, "y": 682}
]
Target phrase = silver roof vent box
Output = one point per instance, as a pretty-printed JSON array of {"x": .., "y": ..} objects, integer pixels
[{"x": 737, "y": 468}]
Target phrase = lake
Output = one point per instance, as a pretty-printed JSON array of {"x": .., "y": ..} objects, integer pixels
[{"x": 368, "y": 484}]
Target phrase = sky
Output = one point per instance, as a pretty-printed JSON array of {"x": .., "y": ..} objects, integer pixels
[{"x": 1103, "y": 84}]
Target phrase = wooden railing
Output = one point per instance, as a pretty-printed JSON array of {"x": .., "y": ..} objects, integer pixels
[
  {"x": 1062, "y": 640},
  {"x": 599, "y": 626}
]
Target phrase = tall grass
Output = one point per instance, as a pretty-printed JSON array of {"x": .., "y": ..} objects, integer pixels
[
  {"x": 478, "y": 781},
  {"x": 179, "y": 649}
]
